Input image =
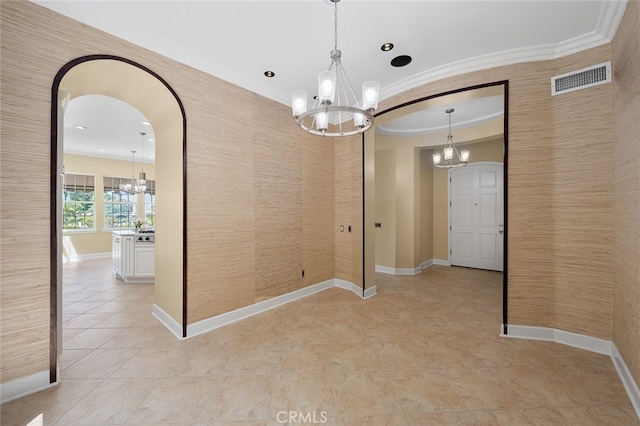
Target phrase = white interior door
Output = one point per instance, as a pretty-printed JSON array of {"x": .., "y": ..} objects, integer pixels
[{"x": 476, "y": 216}]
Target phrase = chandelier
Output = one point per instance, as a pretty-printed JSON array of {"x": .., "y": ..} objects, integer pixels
[
  {"x": 444, "y": 159},
  {"x": 336, "y": 110},
  {"x": 135, "y": 186}
]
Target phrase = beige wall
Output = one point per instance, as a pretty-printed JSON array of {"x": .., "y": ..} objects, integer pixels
[
  {"x": 385, "y": 213},
  {"x": 426, "y": 205},
  {"x": 626, "y": 189},
  {"x": 98, "y": 242}
]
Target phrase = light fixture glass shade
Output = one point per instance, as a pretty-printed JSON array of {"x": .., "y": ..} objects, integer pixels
[
  {"x": 298, "y": 102},
  {"x": 448, "y": 153},
  {"x": 142, "y": 178},
  {"x": 464, "y": 155},
  {"x": 370, "y": 94},
  {"x": 322, "y": 120},
  {"x": 359, "y": 120},
  {"x": 326, "y": 87},
  {"x": 437, "y": 157}
]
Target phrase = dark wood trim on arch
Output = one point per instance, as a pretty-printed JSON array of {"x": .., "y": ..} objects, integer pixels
[
  {"x": 54, "y": 208},
  {"x": 505, "y": 84}
]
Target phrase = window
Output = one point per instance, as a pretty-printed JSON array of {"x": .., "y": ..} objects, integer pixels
[
  {"x": 79, "y": 202},
  {"x": 119, "y": 207},
  {"x": 150, "y": 204}
]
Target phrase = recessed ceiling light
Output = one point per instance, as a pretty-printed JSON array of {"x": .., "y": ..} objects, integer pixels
[
  {"x": 146, "y": 123},
  {"x": 81, "y": 127},
  {"x": 151, "y": 140},
  {"x": 386, "y": 47},
  {"x": 101, "y": 150},
  {"x": 269, "y": 74},
  {"x": 401, "y": 61}
]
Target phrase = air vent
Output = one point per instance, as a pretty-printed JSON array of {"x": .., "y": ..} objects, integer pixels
[{"x": 581, "y": 79}]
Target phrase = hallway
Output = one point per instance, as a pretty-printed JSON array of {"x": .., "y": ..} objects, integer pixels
[{"x": 425, "y": 350}]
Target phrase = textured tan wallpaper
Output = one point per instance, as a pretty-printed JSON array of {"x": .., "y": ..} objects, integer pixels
[
  {"x": 560, "y": 244},
  {"x": 626, "y": 192},
  {"x": 261, "y": 201},
  {"x": 561, "y": 190}
]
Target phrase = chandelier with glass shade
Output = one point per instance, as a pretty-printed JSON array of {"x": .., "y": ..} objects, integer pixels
[
  {"x": 336, "y": 110},
  {"x": 135, "y": 186},
  {"x": 445, "y": 159}
]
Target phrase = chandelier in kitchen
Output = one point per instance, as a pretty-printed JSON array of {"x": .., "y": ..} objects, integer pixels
[
  {"x": 135, "y": 186},
  {"x": 444, "y": 159},
  {"x": 336, "y": 110}
]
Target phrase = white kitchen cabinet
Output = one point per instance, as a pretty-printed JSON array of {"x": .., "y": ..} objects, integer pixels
[
  {"x": 144, "y": 261},
  {"x": 131, "y": 263}
]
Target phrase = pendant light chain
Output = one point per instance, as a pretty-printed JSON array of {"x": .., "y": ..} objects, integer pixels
[{"x": 335, "y": 24}]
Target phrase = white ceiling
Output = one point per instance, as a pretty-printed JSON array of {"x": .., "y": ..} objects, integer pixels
[
  {"x": 101, "y": 126},
  {"x": 239, "y": 40}
]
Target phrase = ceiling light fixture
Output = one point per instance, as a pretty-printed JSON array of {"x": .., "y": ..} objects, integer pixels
[
  {"x": 269, "y": 74},
  {"x": 444, "y": 159},
  {"x": 135, "y": 186},
  {"x": 336, "y": 111},
  {"x": 386, "y": 47}
]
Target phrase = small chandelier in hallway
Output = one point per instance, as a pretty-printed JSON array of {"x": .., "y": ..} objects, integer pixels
[
  {"x": 444, "y": 159},
  {"x": 336, "y": 110},
  {"x": 136, "y": 186}
]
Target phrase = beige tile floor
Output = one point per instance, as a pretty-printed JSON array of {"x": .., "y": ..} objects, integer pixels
[{"x": 424, "y": 351}]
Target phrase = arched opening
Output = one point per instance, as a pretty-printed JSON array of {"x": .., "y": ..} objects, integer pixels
[
  {"x": 140, "y": 87},
  {"x": 494, "y": 136}
]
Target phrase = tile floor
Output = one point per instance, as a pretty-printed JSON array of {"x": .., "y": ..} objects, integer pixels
[{"x": 424, "y": 351}]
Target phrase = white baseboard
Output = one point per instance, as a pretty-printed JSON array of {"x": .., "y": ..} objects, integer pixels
[
  {"x": 593, "y": 344},
  {"x": 370, "y": 292},
  {"x": 397, "y": 271},
  {"x": 23, "y": 386},
  {"x": 251, "y": 310},
  {"x": 257, "y": 308},
  {"x": 80, "y": 257},
  {"x": 167, "y": 320},
  {"x": 424, "y": 265},
  {"x": 412, "y": 271},
  {"x": 356, "y": 289},
  {"x": 628, "y": 382}
]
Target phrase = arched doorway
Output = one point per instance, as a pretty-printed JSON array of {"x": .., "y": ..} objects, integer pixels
[{"x": 141, "y": 87}]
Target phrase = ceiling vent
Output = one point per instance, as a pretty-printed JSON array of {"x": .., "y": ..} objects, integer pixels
[{"x": 581, "y": 79}]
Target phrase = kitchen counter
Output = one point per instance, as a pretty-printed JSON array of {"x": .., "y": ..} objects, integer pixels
[
  {"x": 124, "y": 232},
  {"x": 133, "y": 261}
]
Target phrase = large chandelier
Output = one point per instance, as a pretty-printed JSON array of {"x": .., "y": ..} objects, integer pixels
[
  {"x": 444, "y": 159},
  {"x": 135, "y": 186},
  {"x": 336, "y": 110}
]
